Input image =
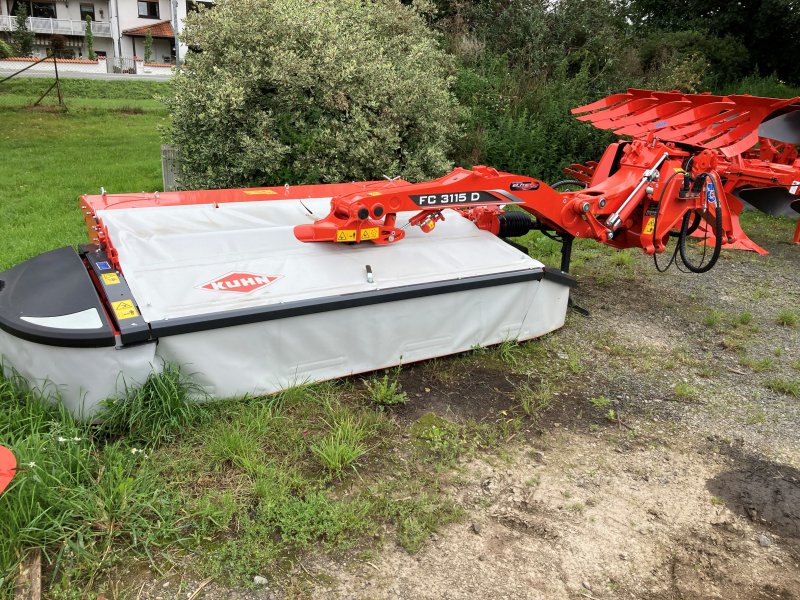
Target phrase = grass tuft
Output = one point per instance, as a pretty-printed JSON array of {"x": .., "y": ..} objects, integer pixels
[
  {"x": 510, "y": 352},
  {"x": 712, "y": 318},
  {"x": 343, "y": 445},
  {"x": 790, "y": 387},
  {"x": 685, "y": 391},
  {"x": 386, "y": 391},
  {"x": 157, "y": 411},
  {"x": 535, "y": 401},
  {"x": 787, "y": 318},
  {"x": 600, "y": 402}
]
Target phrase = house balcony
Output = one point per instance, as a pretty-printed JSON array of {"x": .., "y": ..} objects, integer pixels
[{"x": 54, "y": 26}]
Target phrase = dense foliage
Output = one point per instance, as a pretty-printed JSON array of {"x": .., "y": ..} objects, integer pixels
[
  {"x": 285, "y": 91},
  {"x": 288, "y": 91}
]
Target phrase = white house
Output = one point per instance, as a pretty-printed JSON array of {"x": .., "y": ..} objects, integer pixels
[{"x": 119, "y": 27}]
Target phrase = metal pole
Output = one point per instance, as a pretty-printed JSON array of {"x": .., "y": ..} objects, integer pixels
[
  {"x": 58, "y": 82},
  {"x": 175, "y": 32}
]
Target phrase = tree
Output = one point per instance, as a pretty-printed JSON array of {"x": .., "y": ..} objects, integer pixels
[
  {"x": 89, "y": 37},
  {"x": 148, "y": 47},
  {"x": 57, "y": 44},
  {"x": 289, "y": 91},
  {"x": 766, "y": 29},
  {"x": 22, "y": 37}
]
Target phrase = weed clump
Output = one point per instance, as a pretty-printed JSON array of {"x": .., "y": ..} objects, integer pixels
[
  {"x": 158, "y": 411},
  {"x": 790, "y": 387},
  {"x": 787, "y": 318},
  {"x": 386, "y": 391},
  {"x": 343, "y": 445}
]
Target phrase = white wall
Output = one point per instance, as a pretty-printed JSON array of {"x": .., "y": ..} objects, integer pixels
[
  {"x": 129, "y": 19},
  {"x": 129, "y": 14},
  {"x": 73, "y": 11},
  {"x": 82, "y": 66},
  {"x": 9, "y": 66}
]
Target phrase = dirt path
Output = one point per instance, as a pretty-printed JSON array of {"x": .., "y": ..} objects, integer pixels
[
  {"x": 695, "y": 494},
  {"x": 585, "y": 517}
]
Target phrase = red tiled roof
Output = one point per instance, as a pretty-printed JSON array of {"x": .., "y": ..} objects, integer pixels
[
  {"x": 162, "y": 29},
  {"x": 73, "y": 61}
]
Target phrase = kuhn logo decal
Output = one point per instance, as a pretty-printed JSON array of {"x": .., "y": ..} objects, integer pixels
[
  {"x": 239, "y": 282},
  {"x": 524, "y": 186}
]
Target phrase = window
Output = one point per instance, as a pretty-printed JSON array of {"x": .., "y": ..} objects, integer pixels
[
  {"x": 41, "y": 10},
  {"x": 148, "y": 10},
  {"x": 44, "y": 10},
  {"x": 87, "y": 9}
]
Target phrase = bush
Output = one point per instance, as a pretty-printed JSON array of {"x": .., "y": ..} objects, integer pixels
[
  {"x": 5, "y": 50},
  {"x": 287, "y": 91},
  {"x": 524, "y": 126},
  {"x": 725, "y": 58}
]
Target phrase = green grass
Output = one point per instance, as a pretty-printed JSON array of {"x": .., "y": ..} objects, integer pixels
[
  {"x": 535, "y": 401},
  {"x": 790, "y": 387},
  {"x": 243, "y": 491},
  {"x": 600, "y": 402},
  {"x": 75, "y": 495},
  {"x": 685, "y": 391},
  {"x": 151, "y": 414},
  {"x": 343, "y": 445},
  {"x": 712, "y": 318},
  {"x": 757, "y": 365},
  {"x": 787, "y": 318},
  {"x": 85, "y": 94},
  {"x": 51, "y": 158}
]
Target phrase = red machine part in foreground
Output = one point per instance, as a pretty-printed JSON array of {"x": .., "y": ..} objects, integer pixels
[
  {"x": 691, "y": 162},
  {"x": 8, "y": 467}
]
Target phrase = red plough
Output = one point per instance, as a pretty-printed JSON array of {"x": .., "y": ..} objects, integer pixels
[
  {"x": 691, "y": 163},
  {"x": 751, "y": 142}
]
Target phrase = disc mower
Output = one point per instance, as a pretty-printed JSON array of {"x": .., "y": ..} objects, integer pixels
[{"x": 255, "y": 290}]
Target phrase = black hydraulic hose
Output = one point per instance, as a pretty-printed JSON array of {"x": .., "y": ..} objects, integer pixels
[
  {"x": 564, "y": 182},
  {"x": 655, "y": 225},
  {"x": 712, "y": 195}
]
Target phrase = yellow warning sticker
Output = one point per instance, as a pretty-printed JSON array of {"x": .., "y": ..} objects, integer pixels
[
  {"x": 346, "y": 235},
  {"x": 371, "y": 233},
  {"x": 110, "y": 278},
  {"x": 125, "y": 309},
  {"x": 649, "y": 226},
  {"x": 374, "y": 193},
  {"x": 260, "y": 192}
]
